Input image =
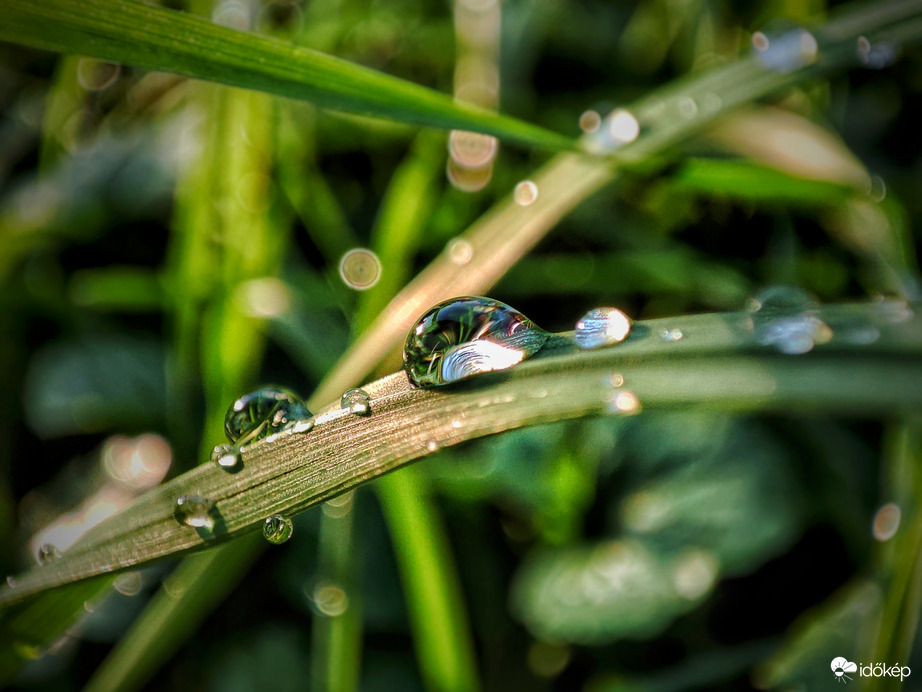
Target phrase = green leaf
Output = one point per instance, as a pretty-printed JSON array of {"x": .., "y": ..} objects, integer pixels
[
  {"x": 871, "y": 364},
  {"x": 155, "y": 38}
]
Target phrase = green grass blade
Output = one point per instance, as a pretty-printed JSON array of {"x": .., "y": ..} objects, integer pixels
[
  {"x": 156, "y": 38},
  {"x": 717, "y": 364}
]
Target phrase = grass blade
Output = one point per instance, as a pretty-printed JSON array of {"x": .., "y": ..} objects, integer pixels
[
  {"x": 717, "y": 364},
  {"x": 156, "y": 38}
]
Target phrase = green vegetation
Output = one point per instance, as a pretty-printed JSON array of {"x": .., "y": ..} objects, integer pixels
[{"x": 728, "y": 499}]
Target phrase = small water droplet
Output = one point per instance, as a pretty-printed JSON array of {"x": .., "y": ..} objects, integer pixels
[
  {"x": 786, "y": 317},
  {"x": 602, "y": 327},
  {"x": 688, "y": 107},
  {"x": 330, "y": 599},
  {"x": 277, "y": 529},
  {"x": 616, "y": 380},
  {"x": 467, "y": 336},
  {"x": 357, "y": 401},
  {"x": 877, "y": 56},
  {"x": 525, "y": 193},
  {"x": 129, "y": 583},
  {"x": 472, "y": 149},
  {"x": 459, "y": 251},
  {"x": 623, "y": 127},
  {"x": 877, "y": 188},
  {"x": 194, "y": 511},
  {"x": 456, "y": 423},
  {"x": 432, "y": 446},
  {"x": 11, "y": 581},
  {"x": 886, "y": 522},
  {"x": 47, "y": 553},
  {"x": 624, "y": 402},
  {"x": 360, "y": 269},
  {"x": 590, "y": 121},
  {"x": 671, "y": 335},
  {"x": 263, "y": 412},
  {"x": 786, "y": 52},
  {"x": 227, "y": 457}
]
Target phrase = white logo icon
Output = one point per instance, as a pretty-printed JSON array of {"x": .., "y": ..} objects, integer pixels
[{"x": 840, "y": 667}]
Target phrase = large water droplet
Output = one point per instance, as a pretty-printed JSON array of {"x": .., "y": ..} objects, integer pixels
[
  {"x": 357, "y": 401},
  {"x": 602, "y": 327},
  {"x": 194, "y": 511},
  {"x": 263, "y": 412},
  {"x": 786, "y": 317},
  {"x": 467, "y": 336},
  {"x": 277, "y": 529}
]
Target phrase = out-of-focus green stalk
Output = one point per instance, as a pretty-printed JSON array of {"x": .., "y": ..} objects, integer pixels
[{"x": 225, "y": 234}]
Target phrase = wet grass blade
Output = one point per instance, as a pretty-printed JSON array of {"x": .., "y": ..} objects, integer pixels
[
  {"x": 716, "y": 364},
  {"x": 156, "y": 38}
]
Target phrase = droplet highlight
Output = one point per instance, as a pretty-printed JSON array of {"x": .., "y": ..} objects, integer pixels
[
  {"x": 277, "y": 529},
  {"x": 263, "y": 412},
  {"x": 671, "y": 335},
  {"x": 357, "y": 401},
  {"x": 787, "y": 318},
  {"x": 601, "y": 327},
  {"x": 194, "y": 511},
  {"x": 468, "y": 336}
]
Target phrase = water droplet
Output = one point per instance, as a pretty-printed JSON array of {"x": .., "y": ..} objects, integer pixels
[
  {"x": 590, "y": 121},
  {"x": 360, "y": 269},
  {"x": 277, "y": 529},
  {"x": 886, "y": 522},
  {"x": 97, "y": 75},
  {"x": 877, "y": 56},
  {"x": 877, "y": 188},
  {"x": 467, "y": 336},
  {"x": 616, "y": 380},
  {"x": 129, "y": 583},
  {"x": 688, "y": 107},
  {"x": 47, "y": 553},
  {"x": 457, "y": 423},
  {"x": 623, "y": 127},
  {"x": 525, "y": 193},
  {"x": 263, "y": 412},
  {"x": 227, "y": 457},
  {"x": 472, "y": 149},
  {"x": 786, "y": 317},
  {"x": 11, "y": 581},
  {"x": 357, "y": 401},
  {"x": 787, "y": 51},
  {"x": 459, "y": 251},
  {"x": 432, "y": 446},
  {"x": 330, "y": 599},
  {"x": 194, "y": 511},
  {"x": 671, "y": 335},
  {"x": 624, "y": 402},
  {"x": 602, "y": 327}
]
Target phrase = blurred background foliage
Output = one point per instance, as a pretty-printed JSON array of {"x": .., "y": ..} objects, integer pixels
[{"x": 167, "y": 244}]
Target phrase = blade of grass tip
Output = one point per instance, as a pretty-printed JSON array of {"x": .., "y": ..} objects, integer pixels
[
  {"x": 717, "y": 363},
  {"x": 441, "y": 633},
  {"x": 156, "y": 38},
  {"x": 201, "y": 582}
]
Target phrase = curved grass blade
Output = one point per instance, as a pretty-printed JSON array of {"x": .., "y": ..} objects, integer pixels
[
  {"x": 156, "y": 38},
  {"x": 716, "y": 363}
]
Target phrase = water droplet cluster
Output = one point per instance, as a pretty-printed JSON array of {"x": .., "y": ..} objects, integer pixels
[{"x": 467, "y": 336}]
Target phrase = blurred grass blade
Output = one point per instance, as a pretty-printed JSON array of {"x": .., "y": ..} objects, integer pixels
[
  {"x": 156, "y": 38},
  {"x": 716, "y": 364}
]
